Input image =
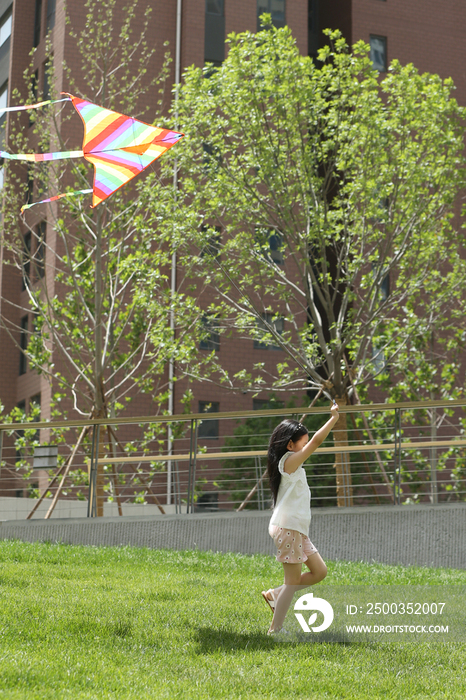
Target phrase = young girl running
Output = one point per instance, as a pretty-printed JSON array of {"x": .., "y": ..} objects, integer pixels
[{"x": 289, "y": 447}]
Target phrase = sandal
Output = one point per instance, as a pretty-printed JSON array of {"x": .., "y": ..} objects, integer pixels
[
  {"x": 270, "y": 603},
  {"x": 282, "y": 632}
]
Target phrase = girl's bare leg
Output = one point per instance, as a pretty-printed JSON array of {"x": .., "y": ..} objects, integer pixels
[
  {"x": 317, "y": 570},
  {"x": 295, "y": 581}
]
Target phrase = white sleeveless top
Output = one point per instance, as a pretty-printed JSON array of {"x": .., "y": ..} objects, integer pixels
[{"x": 293, "y": 506}]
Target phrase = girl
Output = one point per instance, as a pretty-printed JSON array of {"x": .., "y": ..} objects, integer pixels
[{"x": 289, "y": 447}]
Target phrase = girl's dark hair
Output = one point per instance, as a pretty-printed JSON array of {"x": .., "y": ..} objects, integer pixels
[{"x": 287, "y": 430}]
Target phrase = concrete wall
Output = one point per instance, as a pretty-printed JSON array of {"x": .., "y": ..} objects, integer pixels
[
  {"x": 409, "y": 535},
  {"x": 19, "y": 508}
]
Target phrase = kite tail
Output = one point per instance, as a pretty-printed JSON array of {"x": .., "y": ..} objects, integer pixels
[
  {"x": 36, "y": 106},
  {"x": 39, "y": 157},
  {"x": 54, "y": 199}
]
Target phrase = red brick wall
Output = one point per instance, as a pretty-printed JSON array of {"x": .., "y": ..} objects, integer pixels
[
  {"x": 296, "y": 19},
  {"x": 192, "y": 33},
  {"x": 239, "y": 16},
  {"x": 427, "y": 33}
]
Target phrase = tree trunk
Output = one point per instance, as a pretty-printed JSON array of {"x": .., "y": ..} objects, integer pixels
[
  {"x": 342, "y": 459},
  {"x": 100, "y": 479}
]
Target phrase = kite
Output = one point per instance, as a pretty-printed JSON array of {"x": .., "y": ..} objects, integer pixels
[{"x": 119, "y": 147}]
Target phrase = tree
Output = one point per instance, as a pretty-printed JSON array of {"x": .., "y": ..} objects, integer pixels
[
  {"x": 91, "y": 337},
  {"x": 428, "y": 369},
  {"x": 335, "y": 193}
]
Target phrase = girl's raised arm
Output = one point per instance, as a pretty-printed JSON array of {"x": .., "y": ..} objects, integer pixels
[{"x": 294, "y": 461}]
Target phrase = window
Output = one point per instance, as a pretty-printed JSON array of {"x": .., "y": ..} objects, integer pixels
[
  {"x": 379, "y": 52},
  {"x": 40, "y": 251},
  {"x": 275, "y": 246},
  {"x": 47, "y": 67},
  {"x": 378, "y": 359},
  {"x": 211, "y": 247},
  {"x": 385, "y": 287},
  {"x": 211, "y": 157},
  {"x": 50, "y": 14},
  {"x": 34, "y": 404},
  {"x": 208, "y": 429},
  {"x": 263, "y": 325},
  {"x": 3, "y": 102},
  {"x": 4, "y": 96},
  {"x": 207, "y": 502},
  {"x": 45, "y": 456},
  {"x": 271, "y": 243},
  {"x": 5, "y": 27},
  {"x": 214, "y": 34},
  {"x": 26, "y": 263},
  {"x": 211, "y": 340},
  {"x": 276, "y": 8},
  {"x": 37, "y": 23},
  {"x": 18, "y": 435},
  {"x": 214, "y": 7},
  {"x": 30, "y": 184},
  {"x": 35, "y": 322},
  {"x": 33, "y": 490},
  {"x": 35, "y": 85},
  {"x": 23, "y": 344},
  {"x": 35, "y": 94}
]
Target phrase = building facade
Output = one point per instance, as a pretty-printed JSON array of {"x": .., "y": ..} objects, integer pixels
[{"x": 409, "y": 30}]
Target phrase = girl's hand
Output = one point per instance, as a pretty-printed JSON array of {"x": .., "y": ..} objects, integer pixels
[{"x": 334, "y": 409}]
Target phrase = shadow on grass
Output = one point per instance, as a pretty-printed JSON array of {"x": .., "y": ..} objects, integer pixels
[{"x": 212, "y": 640}]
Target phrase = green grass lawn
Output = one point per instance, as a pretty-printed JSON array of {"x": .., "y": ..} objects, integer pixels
[{"x": 85, "y": 622}]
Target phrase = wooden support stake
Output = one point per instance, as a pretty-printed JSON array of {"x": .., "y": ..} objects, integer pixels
[
  {"x": 68, "y": 466},
  {"x": 52, "y": 483}
]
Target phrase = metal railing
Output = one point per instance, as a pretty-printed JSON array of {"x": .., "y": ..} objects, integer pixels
[{"x": 412, "y": 452}]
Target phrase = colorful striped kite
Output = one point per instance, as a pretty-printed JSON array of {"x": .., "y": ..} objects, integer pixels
[{"x": 119, "y": 147}]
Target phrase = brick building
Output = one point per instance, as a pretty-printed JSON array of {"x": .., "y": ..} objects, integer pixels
[{"x": 410, "y": 30}]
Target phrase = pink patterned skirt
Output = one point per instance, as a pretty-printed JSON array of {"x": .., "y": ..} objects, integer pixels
[{"x": 292, "y": 546}]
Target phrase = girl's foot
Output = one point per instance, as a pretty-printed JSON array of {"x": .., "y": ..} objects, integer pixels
[{"x": 269, "y": 599}]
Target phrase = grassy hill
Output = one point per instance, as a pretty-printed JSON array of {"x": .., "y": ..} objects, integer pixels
[{"x": 85, "y": 622}]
